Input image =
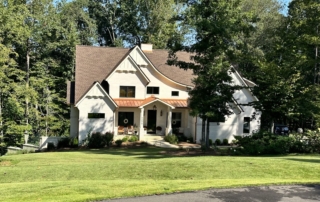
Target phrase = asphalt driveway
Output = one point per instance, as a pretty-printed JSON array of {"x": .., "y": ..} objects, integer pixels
[{"x": 295, "y": 193}]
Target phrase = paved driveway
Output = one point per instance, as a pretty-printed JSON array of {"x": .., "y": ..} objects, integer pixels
[{"x": 296, "y": 193}]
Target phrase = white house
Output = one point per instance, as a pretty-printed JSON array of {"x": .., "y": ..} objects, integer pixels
[{"x": 118, "y": 88}]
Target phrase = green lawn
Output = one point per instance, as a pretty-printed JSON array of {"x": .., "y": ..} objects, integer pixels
[{"x": 101, "y": 174}]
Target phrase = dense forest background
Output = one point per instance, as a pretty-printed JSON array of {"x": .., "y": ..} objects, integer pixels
[{"x": 280, "y": 53}]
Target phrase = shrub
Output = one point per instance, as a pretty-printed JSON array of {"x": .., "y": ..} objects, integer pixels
[
  {"x": 264, "y": 142},
  {"x": 118, "y": 143},
  {"x": 218, "y": 142},
  {"x": 96, "y": 140},
  {"x": 125, "y": 139},
  {"x": 133, "y": 138},
  {"x": 181, "y": 137},
  {"x": 108, "y": 138},
  {"x": 190, "y": 139},
  {"x": 225, "y": 142},
  {"x": 63, "y": 142},
  {"x": 172, "y": 139},
  {"x": 210, "y": 142},
  {"x": 74, "y": 142},
  {"x": 50, "y": 146}
]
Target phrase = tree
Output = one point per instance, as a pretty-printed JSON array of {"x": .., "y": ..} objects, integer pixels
[
  {"x": 120, "y": 23},
  {"x": 216, "y": 24}
]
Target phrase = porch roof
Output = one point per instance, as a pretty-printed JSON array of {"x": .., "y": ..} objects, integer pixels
[{"x": 127, "y": 102}]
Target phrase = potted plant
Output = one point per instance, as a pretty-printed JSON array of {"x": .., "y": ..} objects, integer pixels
[{"x": 159, "y": 129}]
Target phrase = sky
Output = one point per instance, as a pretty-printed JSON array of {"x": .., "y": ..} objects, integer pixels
[{"x": 286, "y": 2}]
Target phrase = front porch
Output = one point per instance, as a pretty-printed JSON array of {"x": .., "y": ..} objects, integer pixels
[{"x": 151, "y": 117}]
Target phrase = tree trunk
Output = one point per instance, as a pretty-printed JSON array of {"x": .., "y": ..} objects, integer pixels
[
  {"x": 27, "y": 86},
  {"x": 208, "y": 134},
  {"x": 203, "y": 132},
  {"x": 272, "y": 126}
]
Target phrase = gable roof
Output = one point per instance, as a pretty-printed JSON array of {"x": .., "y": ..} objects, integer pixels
[
  {"x": 97, "y": 84},
  {"x": 96, "y": 63},
  {"x": 93, "y": 64}
]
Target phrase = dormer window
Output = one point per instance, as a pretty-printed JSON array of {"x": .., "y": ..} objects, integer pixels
[
  {"x": 127, "y": 91},
  {"x": 152, "y": 90}
]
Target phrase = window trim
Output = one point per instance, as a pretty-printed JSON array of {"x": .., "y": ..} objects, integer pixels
[{"x": 134, "y": 93}]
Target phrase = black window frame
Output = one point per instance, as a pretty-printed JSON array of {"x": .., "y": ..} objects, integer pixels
[
  {"x": 126, "y": 91},
  {"x": 96, "y": 115},
  {"x": 153, "y": 90},
  {"x": 174, "y": 92},
  {"x": 178, "y": 122},
  {"x": 246, "y": 124},
  {"x": 125, "y": 115}
]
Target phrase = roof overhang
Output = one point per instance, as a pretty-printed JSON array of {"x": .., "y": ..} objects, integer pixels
[{"x": 96, "y": 84}]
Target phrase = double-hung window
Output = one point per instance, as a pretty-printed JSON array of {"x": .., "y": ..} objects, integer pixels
[
  {"x": 127, "y": 91},
  {"x": 152, "y": 90}
]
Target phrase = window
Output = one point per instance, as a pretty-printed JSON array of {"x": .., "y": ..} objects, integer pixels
[
  {"x": 176, "y": 119},
  {"x": 175, "y": 93},
  {"x": 152, "y": 90},
  {"x": 125, "y": 119},
  {"x": 96, "y": 115},
  {"x": 246, "y": 125},
  {"x": 127, "y": 91},
  {"x": 217, "y": 118}
]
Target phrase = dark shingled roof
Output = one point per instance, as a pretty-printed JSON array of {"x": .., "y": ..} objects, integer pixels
[
  {"x": 96, "y": 63},
  {"x": 159, "y": 60}
]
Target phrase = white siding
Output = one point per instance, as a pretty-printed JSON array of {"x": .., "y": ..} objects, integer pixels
[{"x": 136, "y": 54}]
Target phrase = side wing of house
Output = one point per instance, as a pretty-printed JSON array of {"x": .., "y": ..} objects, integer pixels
[
  {"x": 95, "y": 111},
  {"x": 243, "y": 121}
]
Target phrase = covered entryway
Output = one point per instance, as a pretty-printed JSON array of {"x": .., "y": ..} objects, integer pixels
[{"x": 151, "y": 121}]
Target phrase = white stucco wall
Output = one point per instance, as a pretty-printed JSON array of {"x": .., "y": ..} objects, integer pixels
[
  {"x": 95, "y": 104},
  {"x": 74, "y": 121}
]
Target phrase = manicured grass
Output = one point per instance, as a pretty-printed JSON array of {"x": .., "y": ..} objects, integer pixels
[{"x": 101, "y": 174}]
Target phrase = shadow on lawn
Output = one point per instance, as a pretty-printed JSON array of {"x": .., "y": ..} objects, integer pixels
[
  {"x": 143, "y": 153},
  {"x": 304, "y": 160}
]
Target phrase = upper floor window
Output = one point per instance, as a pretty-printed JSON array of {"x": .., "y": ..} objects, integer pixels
[
  {"x": 152, "y": 90},
  {"x": 174, "y": 93},
  {"x": 127, "y": 91}
]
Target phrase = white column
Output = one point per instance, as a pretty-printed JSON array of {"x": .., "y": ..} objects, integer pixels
[
  {"x": 115, "y": 127},
  {"x": 169, "y": 129},
  {"x": 141, "y": 129}
]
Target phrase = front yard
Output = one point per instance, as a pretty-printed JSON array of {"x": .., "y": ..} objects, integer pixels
[{"x": 111, "y": 173}]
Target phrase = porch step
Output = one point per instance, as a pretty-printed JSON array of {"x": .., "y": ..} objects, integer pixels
[{"x": 152, "y": 138}]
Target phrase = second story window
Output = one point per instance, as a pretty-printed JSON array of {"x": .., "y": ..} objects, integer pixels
[
  {"x": 152, "y": 90},
  {"x": 127, "y": 91},
  {"x": 174, "y": 93}
]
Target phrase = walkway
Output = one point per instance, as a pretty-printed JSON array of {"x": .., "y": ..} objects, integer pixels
[{"x": 159, "y": 142}]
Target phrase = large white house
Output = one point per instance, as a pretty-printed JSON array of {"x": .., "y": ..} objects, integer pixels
[{"x": 118, "y": 88}]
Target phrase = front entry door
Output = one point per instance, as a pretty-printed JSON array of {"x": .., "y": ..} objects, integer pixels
[{"x": 152, "y": 121}]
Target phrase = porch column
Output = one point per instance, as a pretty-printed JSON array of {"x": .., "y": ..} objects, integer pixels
[
  {"x": 115, "y": 125},
  {"x": 141, "y": 129},
  {"x": 168, "y": 128}
]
